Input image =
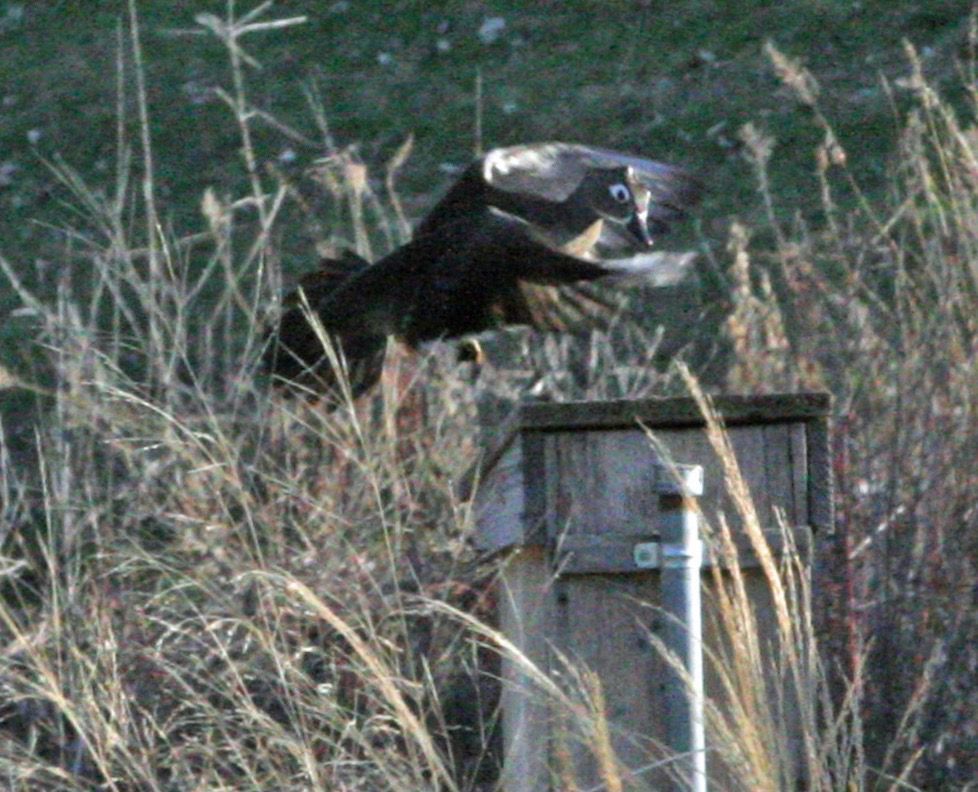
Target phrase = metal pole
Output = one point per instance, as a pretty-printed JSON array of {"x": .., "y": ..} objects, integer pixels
[{"x": 682, "y": 556}]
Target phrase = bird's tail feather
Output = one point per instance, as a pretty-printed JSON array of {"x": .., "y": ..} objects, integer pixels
[
  {"x": 304, "y": 361},
  {"x": 297, "y": 354},
  {"x": 320, "y": 283}
]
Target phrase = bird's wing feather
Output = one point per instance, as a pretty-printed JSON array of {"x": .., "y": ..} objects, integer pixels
[
  {"x": 554, "y": 170},
  {"x": 529, "y": 252},
  {"x": 546, "y": 170},
  {"x": 496, "y": 268},
  {"x": 558, "y": 308}
]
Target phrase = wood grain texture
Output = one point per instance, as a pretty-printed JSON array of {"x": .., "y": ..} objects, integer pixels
[
  {"x": 578, "y": 481},
  {"x": 822, "y": 516},
  {"x": 526, "y": 604},
  {"x": 810, "y": 408},
  {"x": 500, "y": 503},
  {"x": 678, "y": 411},
  {"x": 600, "y": 483}
]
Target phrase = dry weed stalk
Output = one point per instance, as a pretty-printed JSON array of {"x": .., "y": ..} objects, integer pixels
[{"x": 205, "y": 588}]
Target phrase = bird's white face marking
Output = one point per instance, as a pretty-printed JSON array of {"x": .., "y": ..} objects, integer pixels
[{"x": 620, "y": 192}]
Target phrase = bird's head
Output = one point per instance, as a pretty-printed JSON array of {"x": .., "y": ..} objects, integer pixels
[{"x": 615, "y": 195}]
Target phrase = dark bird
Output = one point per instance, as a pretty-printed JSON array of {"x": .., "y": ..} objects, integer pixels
[{"x": 517, "y": 239}]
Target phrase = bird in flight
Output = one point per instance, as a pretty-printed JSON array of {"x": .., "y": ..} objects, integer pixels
[{"x": 517, "y": 240}]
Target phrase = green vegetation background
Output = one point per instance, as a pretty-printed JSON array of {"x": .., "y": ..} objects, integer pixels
[{"x": 674, "y": 81}]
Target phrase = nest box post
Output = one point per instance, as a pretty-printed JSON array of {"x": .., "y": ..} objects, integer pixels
[{"x": 568, "y": 494}]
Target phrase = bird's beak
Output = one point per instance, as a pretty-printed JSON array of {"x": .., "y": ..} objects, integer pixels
[{"x": 639, "y": 229}]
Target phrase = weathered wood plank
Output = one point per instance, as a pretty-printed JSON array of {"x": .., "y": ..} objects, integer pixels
[
  {"x": 526, "y": 619},
  {"x": 535, "y": 474},
  {"x": 603, "y": 482},
  {"x": 603, "y": 624},
  {"x": 678, "y": 411},
  {"x": 581, "y": 554},
  {"x": 654, "y": 413},
  {"x": 500, "y": 503},
  {"x": 819, "y": 441},
  {"x": 798, "y": 461}
]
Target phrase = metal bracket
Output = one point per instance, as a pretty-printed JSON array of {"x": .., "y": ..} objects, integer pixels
[
  {"x": 648, "y": 555},
  {"x": 684, "y": 480}
]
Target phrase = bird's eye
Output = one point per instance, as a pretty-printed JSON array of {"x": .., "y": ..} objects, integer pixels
[{"x": 620, "y": 192}]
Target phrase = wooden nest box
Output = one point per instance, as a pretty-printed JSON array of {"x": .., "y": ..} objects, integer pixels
[{"x": 567, "y": 492}]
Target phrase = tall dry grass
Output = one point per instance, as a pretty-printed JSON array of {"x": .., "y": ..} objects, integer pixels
[
  {"x": 877, "y": 302},
  {"x": 207, "y": 587}
]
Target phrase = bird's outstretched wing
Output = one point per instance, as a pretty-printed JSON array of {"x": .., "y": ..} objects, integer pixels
[
  {"x": 591, "y": 304},
  {"x": 493, "y": 269},
  {"x": 554, "y": 170},
  {"x": 485, "y": 270}
]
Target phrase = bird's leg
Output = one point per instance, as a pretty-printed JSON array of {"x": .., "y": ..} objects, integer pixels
[{"x": 469, "y": 350}]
